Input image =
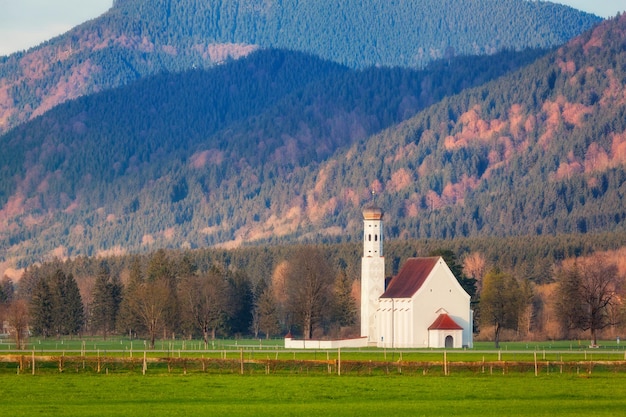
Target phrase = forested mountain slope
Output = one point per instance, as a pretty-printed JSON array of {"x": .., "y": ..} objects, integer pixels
[
  {"x": 198, "y": 158},
  {"x": 539, "y": 151},
  {"x": 138, "y": 38}
]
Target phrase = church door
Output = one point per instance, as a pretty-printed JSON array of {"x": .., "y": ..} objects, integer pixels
[{"x": 449, "y": 342}]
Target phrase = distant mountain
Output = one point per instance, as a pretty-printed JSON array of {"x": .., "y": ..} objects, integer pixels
[
  {"x": 139, "y": 38},
  {"x": 202, "y": 154},
  {"x": 539, "y": 151},
  {"x": 282, "y": 146}
]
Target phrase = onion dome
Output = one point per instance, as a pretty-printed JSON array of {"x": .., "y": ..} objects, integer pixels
[{"x": 372, "y": 212}]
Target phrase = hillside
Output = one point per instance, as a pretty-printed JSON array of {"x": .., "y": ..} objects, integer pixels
[
  {"x": 539, "y": 151},
  {"x": 191, "y": 159},
  {"x": 139, "y": 38},
  {"x": 225, "y": 157}
]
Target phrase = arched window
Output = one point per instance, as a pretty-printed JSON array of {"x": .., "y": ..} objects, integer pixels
[{"x": 369, "y": 238}]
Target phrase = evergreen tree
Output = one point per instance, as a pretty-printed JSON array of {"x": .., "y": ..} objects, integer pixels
[
  {"x": 106, "y": 301},
  {"x": 345, "y": 308},
  {"x": 56, "y": 306},
  {"x": 73, "y": 311},
  {"x": 58, "y": 294},
  {"x": 127, "y": 320},
  {"x": 242, "y": 300},
  {"x": 41, "y": 309},
  {"x": 7, "y": 290},
  {"x": 117, "y": 291},
  {"x": 159, "y": 267}
]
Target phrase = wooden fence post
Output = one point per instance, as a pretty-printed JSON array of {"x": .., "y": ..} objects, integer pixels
[
  {"x": 328, "y": 366},
  {"x": 339, "y": 361}
]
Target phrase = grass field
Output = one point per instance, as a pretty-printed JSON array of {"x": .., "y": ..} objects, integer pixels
[
  {"x": 273, "y": 349},
  {"x": 602, "y": 394},
  {"x": 293, "y": 391}
]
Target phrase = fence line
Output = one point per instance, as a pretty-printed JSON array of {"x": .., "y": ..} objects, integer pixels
[{"x": 24, "y": 363}]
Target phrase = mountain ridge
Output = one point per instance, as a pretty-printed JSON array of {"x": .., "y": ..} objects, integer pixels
[
  {"x": 138, "y": 38},
  {"x": 508, "y": 145},
  {"x": 162, "y": 141}
]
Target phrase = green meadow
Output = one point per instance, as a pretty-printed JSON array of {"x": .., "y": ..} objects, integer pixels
[
  {"x": 293, "y": 391},
  {"x": 609, "y": 350},
  {"x": 601, "y": 394}
]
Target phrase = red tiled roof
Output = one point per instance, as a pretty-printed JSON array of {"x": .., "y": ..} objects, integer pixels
[
  {"x": 410, "y": 278},
  {"x": 444, "y": 322}
]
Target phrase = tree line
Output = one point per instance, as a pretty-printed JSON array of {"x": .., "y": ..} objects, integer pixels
[
  {"x": 306, "y": 293},
  {"x": 165, "y": 298},
  {"x": 584, "y": 299}
]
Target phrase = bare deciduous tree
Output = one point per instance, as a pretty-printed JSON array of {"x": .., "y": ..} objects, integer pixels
[
  {"x": 279, "y": 292},
  {"x": 266, "y": 313},
  {"x": 475, "y": 266},
  {"x": 17, "y": 317},
  {"x": 309, "y": 285},
  {"x": 206, "y": 302},
  {"x": 588, "y": 290},
  {"x": 149, "y": 303}
]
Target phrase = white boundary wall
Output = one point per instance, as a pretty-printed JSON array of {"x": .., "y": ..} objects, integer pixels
[{"x": 325, "y": 344}]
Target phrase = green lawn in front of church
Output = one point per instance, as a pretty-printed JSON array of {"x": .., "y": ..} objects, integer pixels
[{"x": 67, "y": 394}]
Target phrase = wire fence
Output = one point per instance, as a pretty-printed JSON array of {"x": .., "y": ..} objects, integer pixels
[
  {"x": 253, "y": 357},
  {"x": 244, "y": 364}
]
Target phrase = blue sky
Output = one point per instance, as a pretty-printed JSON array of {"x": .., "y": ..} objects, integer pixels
[
  {"x": 26, "y": 23},
  {"x": 603, "y": 8}
]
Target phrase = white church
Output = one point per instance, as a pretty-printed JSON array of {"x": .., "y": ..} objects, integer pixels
[{"x": 424, "y": 306}]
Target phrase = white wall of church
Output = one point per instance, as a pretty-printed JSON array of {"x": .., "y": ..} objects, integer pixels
[
  {"x": 404, "y": 322},
  {"x": 438, "y": 338},
  {"x": 442, "y": 291},
  {"x": 396, "y": 323}
]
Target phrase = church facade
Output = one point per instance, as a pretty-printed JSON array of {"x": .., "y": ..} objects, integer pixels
[{"x": 424, "y": 306}]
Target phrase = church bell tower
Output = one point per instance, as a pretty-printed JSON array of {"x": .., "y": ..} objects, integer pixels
[{"x": 372, "y": 271}]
